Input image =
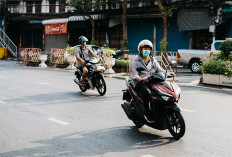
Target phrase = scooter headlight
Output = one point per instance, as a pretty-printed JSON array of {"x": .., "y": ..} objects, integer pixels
[{"x": 166, "y": 98}]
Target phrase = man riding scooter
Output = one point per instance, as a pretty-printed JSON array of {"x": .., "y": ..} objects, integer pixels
[
  {"x": 81, "y": 54},
  {"x": 139, "y": 79}
]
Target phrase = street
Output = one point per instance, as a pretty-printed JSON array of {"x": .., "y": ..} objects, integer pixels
[{"x": 44, "y": 114}]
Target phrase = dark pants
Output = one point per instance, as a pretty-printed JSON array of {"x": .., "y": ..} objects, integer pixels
[{"x": 142, "y": 90}]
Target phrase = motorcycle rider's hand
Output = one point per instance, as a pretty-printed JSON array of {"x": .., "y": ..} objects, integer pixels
[
  {"x": 82, "y": 61},
  {"x": 173, "y": 74},
  {"x": 145, "y": 79}
]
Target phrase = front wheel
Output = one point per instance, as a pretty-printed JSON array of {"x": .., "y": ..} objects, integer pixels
[
  {"x": 176, "y": 124},
  {"x": 101, "y": 86},
  {"x": 83, "y": 89}
]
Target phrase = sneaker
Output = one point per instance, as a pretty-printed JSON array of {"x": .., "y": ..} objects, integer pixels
[{"x": 77, "y": 82}]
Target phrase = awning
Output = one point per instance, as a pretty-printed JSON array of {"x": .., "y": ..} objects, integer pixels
[
  {"x": 82, "y": 18},
  {"x": 227, "y": 10},
  {"x": 55, "y": 21},
  {"x": 193, "y": 19},
  {"x": 34, "y": 21}
]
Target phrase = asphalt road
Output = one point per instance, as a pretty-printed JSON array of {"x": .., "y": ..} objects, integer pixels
[{"x": 43, "y": 113}]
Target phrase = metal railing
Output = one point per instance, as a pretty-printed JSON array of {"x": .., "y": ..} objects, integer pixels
[
  {"x": 29, "y": 55},
  {"x": 37, "y": 9},
  {"x": 56, "y": 55},
  {"x": 6, "y": 42}
]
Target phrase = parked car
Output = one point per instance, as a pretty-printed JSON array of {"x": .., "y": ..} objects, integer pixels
[{"x": 194, "y": 58}]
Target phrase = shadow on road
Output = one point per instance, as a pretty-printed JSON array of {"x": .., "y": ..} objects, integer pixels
[{"x": 94, "y": 143}]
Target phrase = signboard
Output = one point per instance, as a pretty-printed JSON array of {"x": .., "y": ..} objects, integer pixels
[
  {"x": 60, "y": 28},
  {"x": 212, "y": 28}
]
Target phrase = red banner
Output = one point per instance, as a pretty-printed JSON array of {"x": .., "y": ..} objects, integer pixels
[{"x": 56, "y": 28}]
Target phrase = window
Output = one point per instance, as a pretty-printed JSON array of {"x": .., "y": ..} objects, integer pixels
[
  {"x": 52, "y": 6},
  {"x": 38, "y": 7},
  {"x": 61, "y": 8},
  {"x": 29, "y": 7}
]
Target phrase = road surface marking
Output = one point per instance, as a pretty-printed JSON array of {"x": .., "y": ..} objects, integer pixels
[
  {"x": 43, "y": 83},
  {"x": 147, "y": 156},
  {"x": 3, "y": 77},
  {"x": 187, "y": 110},
  {"x": 58, "y": 121},
  {"x": 2, "y": 102}
]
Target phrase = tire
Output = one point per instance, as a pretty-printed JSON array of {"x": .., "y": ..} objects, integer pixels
[
  {"x": 195, "y": 66},
  {"x": 83, "y": 89},
  {"x": 138, "y": 123},
  {"x": 101, "y": 86},
  {"x": 176, "y": 124}
]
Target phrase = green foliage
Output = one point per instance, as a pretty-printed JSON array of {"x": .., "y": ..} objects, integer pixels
[
  {"x": 71, "y": 50},
  {"x": 66, "y": 62},
  {"x": 217, "y": 66},
  {"x": 124, "y": 43},
  {"x": 163, "y": 46},
  {"x": 47, "y": 61},
  {"x": 93, "y": 42},
  {"x": 120, "y": 63},
  {"x": 87, "y": 5},
  {"x": 107, "y": 52},
  {"x": 226, "y": 48},
  {"x": 201, "y": 80}
]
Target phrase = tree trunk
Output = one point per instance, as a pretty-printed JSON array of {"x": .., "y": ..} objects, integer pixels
[
  {"x": 91, "y": 21},
  {"x": 164, "y": 57},
  {"x": 165, "y": 20},
  {"x": 124, "y": 25}
]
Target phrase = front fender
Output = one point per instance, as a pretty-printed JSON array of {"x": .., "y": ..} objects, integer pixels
[{"x": 173, "y": 107}]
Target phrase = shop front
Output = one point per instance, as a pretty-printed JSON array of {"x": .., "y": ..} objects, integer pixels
[{"x": 55, "y": 34}]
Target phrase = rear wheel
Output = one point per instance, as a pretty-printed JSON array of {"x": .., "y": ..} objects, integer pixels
[
  {"x": 195, "y": 66},
  {"x": 101, "y": 86},
  {"x": 176, "y": 124}
]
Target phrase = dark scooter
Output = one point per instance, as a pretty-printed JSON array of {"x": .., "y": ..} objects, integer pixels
[
  {"x": 163, "y": 105},
  {"x": 94, "y": 77}
]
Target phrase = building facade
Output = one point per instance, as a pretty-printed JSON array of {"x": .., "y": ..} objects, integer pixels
[{"x": 188, "y": 26}]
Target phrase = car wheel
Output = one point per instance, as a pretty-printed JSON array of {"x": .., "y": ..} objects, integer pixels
[{"x": 195, "y": 66}]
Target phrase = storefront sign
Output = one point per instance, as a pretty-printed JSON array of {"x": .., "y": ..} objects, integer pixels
[{"x": 56, "y": 28}]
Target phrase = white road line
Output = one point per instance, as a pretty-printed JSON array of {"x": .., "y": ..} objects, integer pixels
[
  {"x": 58, "y": 121},
  {"x": 43, "y": 83},
  {"x": 187, "y": 110},
  {"x": 147, "y": 156},
  {"x": 3, "y": 77},
  {"x": 2, "y": 102}
]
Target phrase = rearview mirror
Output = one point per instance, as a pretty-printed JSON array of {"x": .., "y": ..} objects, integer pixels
[{"x": 139, "y": 69}]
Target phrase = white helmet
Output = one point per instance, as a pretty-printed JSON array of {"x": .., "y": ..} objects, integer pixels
[{"x": 145, "y": 43}]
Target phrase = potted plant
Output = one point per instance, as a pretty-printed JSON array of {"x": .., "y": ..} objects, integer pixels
[
  {"x": 218, "y": 70},
  {"x": 107, "y": 55},
  {"x": 43, "y": 57},
  {"x": 71, "y": 57}
]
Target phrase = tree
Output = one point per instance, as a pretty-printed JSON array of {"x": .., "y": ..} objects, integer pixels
[
  {"x": 165, "y": 12},
  {"x": 124, "y": 25},
  {"x": 84, "y": 7}
]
